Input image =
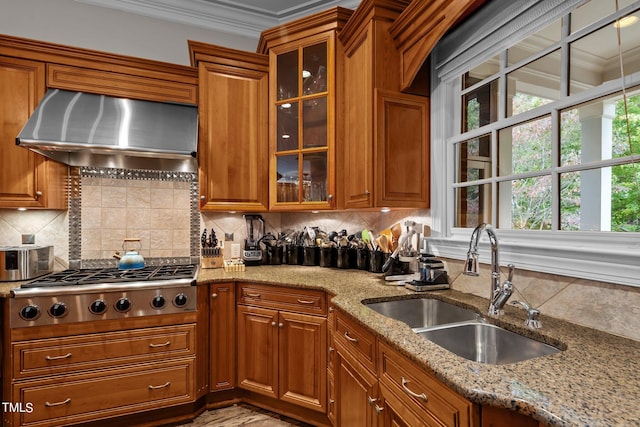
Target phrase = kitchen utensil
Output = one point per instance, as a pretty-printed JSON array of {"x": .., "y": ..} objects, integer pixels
[
  {"x": 131, "y": 260},
  {"x": 396, "y": 232},
  {"x": 367, "y": 238}
]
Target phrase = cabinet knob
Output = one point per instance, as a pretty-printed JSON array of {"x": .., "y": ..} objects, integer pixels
[
  {"x": 330, "y": 197},
  {"x": 214, "y": 295},
  {"x": 371, "y": 400},
  {"x": 203, "y": 198},
  {"x": 273, "y": 323},
  {"x": 38, "y": 194},
  {"x": 280, "y": 325},
  {"x": 366, "y": 192}
]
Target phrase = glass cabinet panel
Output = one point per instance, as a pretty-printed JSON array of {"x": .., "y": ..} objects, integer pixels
[
  {"x": 287, "y": 126},
  {"x": 288, "y": 184},
  {"x": 314, "y": 174},
  {"x": 302, "y": 141},
  {"x": 287, "y": 75},
  {"x": 314, "y": 122}
]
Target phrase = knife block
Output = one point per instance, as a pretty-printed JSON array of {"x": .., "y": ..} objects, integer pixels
[{"x": 212, "y": 257}]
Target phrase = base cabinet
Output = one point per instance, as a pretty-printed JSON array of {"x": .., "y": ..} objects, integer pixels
[
  {"x": 356, "y": 391},
  {"x": 222, "y": 336},
  {"x": 282, "y": 353},
  {"x": 84, "y": 377}
]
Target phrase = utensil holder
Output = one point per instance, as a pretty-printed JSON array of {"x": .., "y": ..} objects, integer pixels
[{"x": 310, "y": 255}]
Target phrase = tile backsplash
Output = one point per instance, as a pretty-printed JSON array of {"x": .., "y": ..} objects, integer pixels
[
  {"x": 157, "y": 209},
  {"x": 156, "y": 212}
]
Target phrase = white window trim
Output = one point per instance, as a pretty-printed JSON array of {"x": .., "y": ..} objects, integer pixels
[{"x": 602, "y": 256}]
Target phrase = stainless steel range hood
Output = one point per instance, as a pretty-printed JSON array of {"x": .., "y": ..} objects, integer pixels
[{"x": 82, "y": 129}]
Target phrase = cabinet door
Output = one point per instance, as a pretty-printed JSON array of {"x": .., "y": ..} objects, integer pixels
[
  {"x": 258, "y": 350},
  {"x": 356, "y": 393},
  {"x": 302, "y": 128},
  {"x": 24, "y": 175},
  {"x": 233, "y": 145},
  {"x": 402, "y": 142},
  {"x": 222, "y": 337},
  {"x": 303, "y": 361}
]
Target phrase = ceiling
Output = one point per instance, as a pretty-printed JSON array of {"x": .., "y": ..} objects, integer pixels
[{"x": 242, "y": 17}]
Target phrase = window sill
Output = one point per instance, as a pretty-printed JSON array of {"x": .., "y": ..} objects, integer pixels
[{"x": 594, "y": 256}]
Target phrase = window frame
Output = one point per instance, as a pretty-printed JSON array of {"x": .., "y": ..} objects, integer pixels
[{"x": 598, "y": 255}]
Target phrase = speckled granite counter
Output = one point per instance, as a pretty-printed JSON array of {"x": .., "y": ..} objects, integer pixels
[{"x": 593, "y": 382}]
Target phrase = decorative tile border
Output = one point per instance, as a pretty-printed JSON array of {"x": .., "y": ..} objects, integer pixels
[{"x": 75, "y": 212}]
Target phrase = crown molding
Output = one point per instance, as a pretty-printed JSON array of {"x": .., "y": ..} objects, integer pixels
[{"x": 227, "y": 16}]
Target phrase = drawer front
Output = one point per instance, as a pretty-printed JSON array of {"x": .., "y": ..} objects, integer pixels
[
  {"x": 356, "y": 339},
  {"x": 281, "y": 298},
  {"x": 57, "y": 355},
  {"x": 422, "y": 392},
  {"x": 109, "y": 393}
]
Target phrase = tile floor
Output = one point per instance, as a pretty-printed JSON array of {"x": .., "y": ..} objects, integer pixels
[{"x": 242, "y": 415}]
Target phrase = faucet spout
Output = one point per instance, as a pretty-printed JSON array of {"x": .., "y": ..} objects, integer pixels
[{"x": 499, "y": 294}]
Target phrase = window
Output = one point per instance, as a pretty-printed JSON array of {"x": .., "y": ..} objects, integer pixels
[
  {"x": 547, "y": 148},
  {"x": 593, "y": 132}
]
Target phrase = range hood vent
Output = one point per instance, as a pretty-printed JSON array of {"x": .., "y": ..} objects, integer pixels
[{"x": 82, "y": 129}]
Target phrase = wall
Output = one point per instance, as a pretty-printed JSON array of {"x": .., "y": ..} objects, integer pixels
[{"x": 81, "y": 25}]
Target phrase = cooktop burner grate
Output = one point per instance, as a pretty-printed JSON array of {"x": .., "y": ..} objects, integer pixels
[{"x": 113, "y": 275}]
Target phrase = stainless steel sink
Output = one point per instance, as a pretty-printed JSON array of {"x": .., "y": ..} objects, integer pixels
[
  {"x": 462, "y": 331},
  {"x": 423, "y": 312},
  {"x": 486, "y": 343}
]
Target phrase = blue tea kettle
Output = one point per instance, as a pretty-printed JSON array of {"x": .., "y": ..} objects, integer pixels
[{"x": 131, "y": 260}]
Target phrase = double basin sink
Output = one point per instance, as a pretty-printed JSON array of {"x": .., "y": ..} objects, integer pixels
[{"x": 462, "y": 331}]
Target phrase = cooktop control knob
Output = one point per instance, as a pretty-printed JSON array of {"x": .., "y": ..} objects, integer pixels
[
  {"x": 98, "y": 307},
  {"x": 30, "y": 312},
  {"x": 180, "y": 300},
  {"x": 158, "y": 301},
  {"x": 123, "y": 305},
  {"x": 58, "y": 309}
]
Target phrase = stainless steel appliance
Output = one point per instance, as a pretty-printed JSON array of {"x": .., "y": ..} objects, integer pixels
[
  {"x": 25, "y": 262},
  {"x": 104, "y": 293},
  {"x": 84, "y": 129},
  {"x": 252, "y": 254}
]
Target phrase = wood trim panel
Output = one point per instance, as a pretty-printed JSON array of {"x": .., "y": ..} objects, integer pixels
[
  {"x": 119, "y": 84},
  {"x": 86, "y": 58},
  {"x": 421, "y": 26},
  {"x": 331, "y": 19}
]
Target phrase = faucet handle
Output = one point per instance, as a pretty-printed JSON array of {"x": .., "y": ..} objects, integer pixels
[
  {"x": 512, "y": 269},
  {"x": 533, "y": 314}
]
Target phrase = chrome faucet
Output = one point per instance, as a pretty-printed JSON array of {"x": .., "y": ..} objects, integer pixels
[
  {"x": 533, "y": 320},
  {"x": 499, "y": 293}
]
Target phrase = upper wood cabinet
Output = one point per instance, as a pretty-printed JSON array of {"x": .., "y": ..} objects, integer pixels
[
  {"x": 233, "y": 139},
  {"x": 27, "y": 179},
  {"x": 305, "y": 67},
  {"x": 384, "y": 156}
]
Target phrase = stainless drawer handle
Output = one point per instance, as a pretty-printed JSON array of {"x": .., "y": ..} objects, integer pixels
[
  {"x": 64, "y": 356},
  {"x": 302, "y": 301},
  {"x": 152, "y": 345},
  {"x": 64, "y": 402},
  {"x": 252, "y": 295},
  {"x": 346, "y": 335},
  {"x": 156, "y": 387},
  {"x": 422, "y": 396}
]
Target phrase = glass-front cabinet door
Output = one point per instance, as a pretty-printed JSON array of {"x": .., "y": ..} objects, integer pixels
[{"x": 302, "y": 124}]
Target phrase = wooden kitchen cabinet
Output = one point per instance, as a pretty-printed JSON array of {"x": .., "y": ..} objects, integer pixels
[
  {"x": 222, "y": 336},
  {"x": 79, "y": 376},
  {"x": 27, "y": 179},
  {"x": 416, "y": 394},
  {"x": 384, "y": 152},
  {"x": 282, "y": 344},
  {"x": 233, "y": 128},
  {"x": 305, "y": 66}
]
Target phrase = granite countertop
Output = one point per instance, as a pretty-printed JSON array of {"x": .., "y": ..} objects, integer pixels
[{"x": 593, "y": 382}]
